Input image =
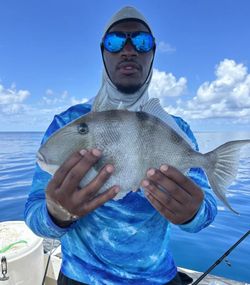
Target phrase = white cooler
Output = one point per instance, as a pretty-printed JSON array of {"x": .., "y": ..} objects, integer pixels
[{"x": 23, "y": 252}]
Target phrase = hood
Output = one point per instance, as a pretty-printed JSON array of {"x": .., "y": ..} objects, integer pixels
[
  {"x": 126, "y": 13},
  {"x": 109, "y": 97}
]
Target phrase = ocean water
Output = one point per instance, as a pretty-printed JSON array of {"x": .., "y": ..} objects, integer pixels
[{"x": 194, "y": 251}]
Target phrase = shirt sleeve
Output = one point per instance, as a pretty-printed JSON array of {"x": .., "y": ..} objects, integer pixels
[
  {"x": 208, "y": 208},
  {"x": 36, "y": 214}
]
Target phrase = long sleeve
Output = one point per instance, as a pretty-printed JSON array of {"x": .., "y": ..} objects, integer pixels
[
  {"x": 36, "y": 214},
  {"x": 208, "y": 208}
]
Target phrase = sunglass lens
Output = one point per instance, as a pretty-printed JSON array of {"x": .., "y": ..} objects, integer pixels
[
  {"x": 143, "y": 42},
  {"x": 114, "y": 42}
]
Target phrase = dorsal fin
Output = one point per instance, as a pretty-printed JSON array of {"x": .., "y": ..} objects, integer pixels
[{"x": 154, "y": 108}]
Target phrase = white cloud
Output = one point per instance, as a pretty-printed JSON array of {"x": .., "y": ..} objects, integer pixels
[
  {"x": 11, "y": 100},
  {"x": 49, "y": 92},
  {"x": 12, "y": 96},
  {"x": 165, "y": 85},
  {"x": 17, "y": 113},
  {"x": 75, "y": 101},
  {"x": 232, "y": 86},
  {"x": 50, "y": 101},
  {"x": 228, "y": 96},
  {"x": 228, "y": 72},
  {"x": 65, "y": 94},
  {"x": 13, "y": 109},
  {"x": 165, "y": 47},
  {"x": 51, "y": 98}
]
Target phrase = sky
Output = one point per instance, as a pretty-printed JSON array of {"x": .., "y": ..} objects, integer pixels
[{"x": 50, "y": 59}]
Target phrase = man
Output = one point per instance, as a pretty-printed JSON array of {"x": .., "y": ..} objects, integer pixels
[{"x": 125, "y": 241}]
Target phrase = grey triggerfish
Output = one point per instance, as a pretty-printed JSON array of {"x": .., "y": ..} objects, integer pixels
[{"x": 134, "y": 142}]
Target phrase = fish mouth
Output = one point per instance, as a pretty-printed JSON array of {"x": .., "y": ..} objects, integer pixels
[
  {"x": 40, "y": 157},
  {"x": 45, "y": 165},
  {"x": 41, "y": 160}
]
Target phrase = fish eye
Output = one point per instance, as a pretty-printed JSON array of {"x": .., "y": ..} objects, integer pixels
[{"x": 83, "y": 129}]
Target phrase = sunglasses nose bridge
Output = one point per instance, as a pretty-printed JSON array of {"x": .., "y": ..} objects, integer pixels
[
  {"x": 128, "y": 35},
  {"x": 129, "y": 47}
]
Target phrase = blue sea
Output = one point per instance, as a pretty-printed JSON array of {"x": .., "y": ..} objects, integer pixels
[{"x": 194, "y": 251}]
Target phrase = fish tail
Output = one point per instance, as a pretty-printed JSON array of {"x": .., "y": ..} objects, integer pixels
[{"x": 222, "y": 166}]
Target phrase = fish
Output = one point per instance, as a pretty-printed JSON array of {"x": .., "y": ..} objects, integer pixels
[{"x": 134, "y": 142}]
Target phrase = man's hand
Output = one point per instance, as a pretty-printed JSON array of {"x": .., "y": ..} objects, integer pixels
[
  {"x": 63, "y": 195},
  {"x": 173, "y": 194}
]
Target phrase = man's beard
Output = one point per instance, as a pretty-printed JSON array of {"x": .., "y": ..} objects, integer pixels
[{"x": 128, "y": 89}]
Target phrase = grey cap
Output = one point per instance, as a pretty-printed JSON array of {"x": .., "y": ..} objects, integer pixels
[{"x": 125, "y": 13}]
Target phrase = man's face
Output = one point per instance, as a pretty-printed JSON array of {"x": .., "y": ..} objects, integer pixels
[{"x": 128, "y": 69}]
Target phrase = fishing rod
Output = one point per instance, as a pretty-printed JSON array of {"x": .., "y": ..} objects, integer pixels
[{"x": 221, "y": 258}]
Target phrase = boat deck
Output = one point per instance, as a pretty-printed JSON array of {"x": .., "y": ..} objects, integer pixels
[{"x": 210, "y": 279}]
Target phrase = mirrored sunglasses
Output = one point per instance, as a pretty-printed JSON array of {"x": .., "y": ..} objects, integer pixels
[{"x": 141, "y": 41}]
